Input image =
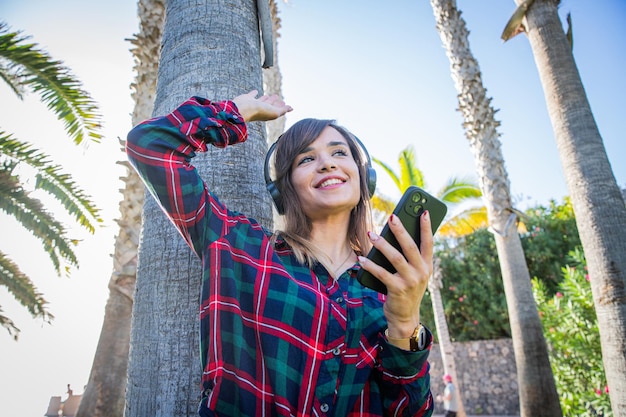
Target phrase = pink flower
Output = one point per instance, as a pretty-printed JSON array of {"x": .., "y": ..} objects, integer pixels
[
  {"x": 587, "y": 277},
  {"x": 452, "y": 288},
  {"x": 559, "y": 294},
  {"x": 598, "y": 391},
  {"x": 476, "y": 323},
  {"x": 606, "y": 389},
  {"x": 461, "y": 299}
]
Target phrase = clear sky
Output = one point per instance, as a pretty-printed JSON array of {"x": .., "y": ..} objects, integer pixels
[{"x": 378, "y": 68}]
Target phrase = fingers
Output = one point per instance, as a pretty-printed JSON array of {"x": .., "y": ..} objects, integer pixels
[
  {"x": 266, "y": 107},
  {"x": 411, "y": 252},
  {"x": 412, "y": 264},
  {"x": 426, "y": 238}
]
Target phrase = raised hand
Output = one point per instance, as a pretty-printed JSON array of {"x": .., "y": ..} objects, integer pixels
[{"x": 262, "y": 108}]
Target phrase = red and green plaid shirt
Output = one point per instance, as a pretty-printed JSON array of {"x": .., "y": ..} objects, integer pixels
[{"x": 278, "y": 338}]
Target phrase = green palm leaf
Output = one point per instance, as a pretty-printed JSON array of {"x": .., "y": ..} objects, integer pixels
[
  {"x": 31, "y": 215},
  {"x": 456, "y": 192},
  {"x": 459, "y": 190},
  {"x": 22, "y": 288},
  {"x": 50, "y": 179},
  {"x": 409, "y": 172},
  {"x": 25, "y": 67},
  {"x": 396, "y": 180},
  {"x": 465, "y": 222}
]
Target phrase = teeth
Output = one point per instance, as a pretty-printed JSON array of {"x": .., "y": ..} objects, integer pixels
[{"x": 330, "y": 182}]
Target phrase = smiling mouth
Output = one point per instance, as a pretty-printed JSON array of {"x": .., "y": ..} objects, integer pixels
[{"x": 330, "y": 182}]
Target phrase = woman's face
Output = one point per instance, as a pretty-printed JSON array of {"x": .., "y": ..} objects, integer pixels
[{"x": 326, "y": 177}]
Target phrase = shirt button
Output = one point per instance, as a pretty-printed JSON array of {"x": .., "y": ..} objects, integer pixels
[
  {"x": 339, "y": 300},
  {"x": 336, "y": 351},
  {"x": 324, "y": 408}
]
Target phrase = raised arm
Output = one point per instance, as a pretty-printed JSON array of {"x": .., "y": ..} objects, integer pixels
[{"x": 161, "y": 149}]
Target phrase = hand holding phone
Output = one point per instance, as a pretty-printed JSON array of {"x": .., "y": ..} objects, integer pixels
[{"x": 413, "y": 203}]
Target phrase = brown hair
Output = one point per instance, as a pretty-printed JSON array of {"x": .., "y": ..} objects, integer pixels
[{"x": 297, "y": 226}]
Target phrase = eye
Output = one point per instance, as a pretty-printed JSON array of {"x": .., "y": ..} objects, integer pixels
[
  {"x": 340, "y": 152},
  {"x": 305, "y": 159}
]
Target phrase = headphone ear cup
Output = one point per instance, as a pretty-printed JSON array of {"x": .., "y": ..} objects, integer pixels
[
  {"x": 371, "y": 180},
  {"x": 276, "y": 197}
]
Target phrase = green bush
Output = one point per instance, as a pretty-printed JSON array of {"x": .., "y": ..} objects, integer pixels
[
  {"x": 473, "y": 293},
  {"x": 571, "y": 331}
]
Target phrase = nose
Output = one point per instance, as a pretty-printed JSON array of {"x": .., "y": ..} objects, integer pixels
[{"x": 326, "y": 163}]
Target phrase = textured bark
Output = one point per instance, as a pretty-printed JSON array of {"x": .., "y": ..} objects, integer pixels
[
  {"x": 596, "y": 197},
  {"x": 272, "y": 78},
  {"x": 272, "y": 83},
  {"x": 214, "y": 54},
  {"x": 538, "y": 395},
  {"x": 105, "y": 392}
]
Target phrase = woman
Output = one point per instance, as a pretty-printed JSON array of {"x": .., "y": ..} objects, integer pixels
[{"x": 286, "y": 329}]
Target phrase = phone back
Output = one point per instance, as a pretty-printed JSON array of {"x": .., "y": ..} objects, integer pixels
[{"x": 413, "y": 203}]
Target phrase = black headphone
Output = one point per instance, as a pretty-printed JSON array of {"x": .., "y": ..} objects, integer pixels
[{"x": 370, "y": 176}]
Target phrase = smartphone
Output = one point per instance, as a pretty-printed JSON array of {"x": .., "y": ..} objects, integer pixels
[{"x": 413, "y": 203}]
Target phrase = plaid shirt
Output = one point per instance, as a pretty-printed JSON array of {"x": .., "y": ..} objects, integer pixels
[{"x": 278, "y": 338}]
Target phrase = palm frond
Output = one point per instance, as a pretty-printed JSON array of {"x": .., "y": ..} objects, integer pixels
[
  {"x": 22, "y": 288},
  {"x": 457, "y": 190},
  {"x": 382, "y": 204},
  {"x": 12, "y": 77},
  {"x": 8, "y": 324},
  {"x": 30, "y": 213},
  {"x": 464, "y": 223},
  {"x": 58, "y": 88},
  {"x": 389, "y": 171},
  {"x": 51, "y": 180},
  {"x": 409, "y": 172}
]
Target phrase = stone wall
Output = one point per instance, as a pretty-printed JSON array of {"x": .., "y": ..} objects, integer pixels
[{"x": 487, "y": 374}]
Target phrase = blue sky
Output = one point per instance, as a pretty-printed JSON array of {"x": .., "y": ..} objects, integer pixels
[{"x": 378, "y": 68}]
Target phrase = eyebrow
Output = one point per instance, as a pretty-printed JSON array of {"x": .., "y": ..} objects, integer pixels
[{"x": 330, "y": 145}]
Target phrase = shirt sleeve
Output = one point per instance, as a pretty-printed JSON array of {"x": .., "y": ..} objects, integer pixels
[
  {"x": 160, "y": 149},
  {"x": 404, "y": 380}
]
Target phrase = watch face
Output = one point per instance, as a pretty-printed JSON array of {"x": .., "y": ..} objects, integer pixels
[{"x": 418, "y": 340}]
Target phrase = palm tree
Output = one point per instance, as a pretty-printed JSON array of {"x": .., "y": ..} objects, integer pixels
[
  {"x": 104, "y": 395},
  {"x": 26, "y": 68},
  {"x": 164, "y": 371},
  {"x": 538, "y": 395},
  {"x": 105, "y": 391},
  {"x": 596, "y": 197},
  {"x": 455, "y": 193}
]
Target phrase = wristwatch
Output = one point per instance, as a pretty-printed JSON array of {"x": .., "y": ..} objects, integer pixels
[{"x": 416, "y": 342}]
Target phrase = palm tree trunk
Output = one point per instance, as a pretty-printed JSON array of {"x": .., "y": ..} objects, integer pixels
[
  {"x": 445, "y": 345},
  {"x": 105, "y": 392},
  {"x": 273, "y": 84},
  {"x": 214, "y": 54},
  {"x": 538, "y": 395},
  {"x": 272, "y": 78},
  {"x": 596, "y": 197}
]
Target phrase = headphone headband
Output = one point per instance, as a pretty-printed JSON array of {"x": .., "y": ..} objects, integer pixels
[{"x": 370, "y": 175}]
